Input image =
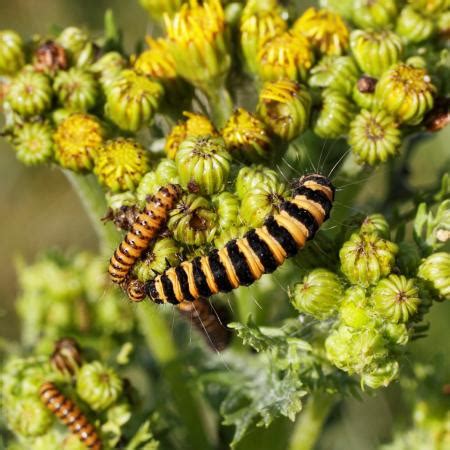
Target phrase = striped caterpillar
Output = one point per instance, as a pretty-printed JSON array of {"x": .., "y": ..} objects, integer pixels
[
  {"x": 70, "y": 415},
  {"x": 66, "y": 357},
  {"x": 243, "y": 261}
]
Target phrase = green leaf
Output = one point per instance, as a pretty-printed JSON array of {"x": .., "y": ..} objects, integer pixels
[{"x": 143, "y": 439}]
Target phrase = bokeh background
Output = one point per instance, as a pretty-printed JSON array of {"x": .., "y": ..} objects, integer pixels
[{"x": 38, "y": 210}]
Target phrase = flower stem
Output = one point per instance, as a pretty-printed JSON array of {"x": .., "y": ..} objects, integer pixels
[
  {"x": 220, "y": 103},
  {"x": 310, "y": 422}
]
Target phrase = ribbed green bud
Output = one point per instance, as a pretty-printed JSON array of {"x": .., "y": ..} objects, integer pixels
[
  {"x": 381, "y": 376},
  {"x": 157, "y": 8},
  {"x": 120, "y": 164},
  {"x": 335, "y": 115},
  {"x": 132, "y": 100},
  {"x": 285, "y": 108},
  {"x": 374, "y": 14},
  {"x": 165, "y": 252},
  {"x": 233, "y": 232},
  {"x": 260, "y": 201},
  {"x": 365, "y": 258},
  {"x": 227, "y": 208},
  {"x": 413, "y": 27},
  {"x": 395, "y": 298},
  {"x": 193, "y": 221},
  {"x": 430, "y": 8},
  {"x": 375, "y": 51},
  {"x": 203, "y": 164},
  {"x": 396, "y": 333},
  {"x": 166, "y": 172},
  {"x": 77, "y": 139},
  {"x": 74, "y": 41},
  {"x": 33, "y": 143},
  {"x": 12, "y": 57},
  {"x": 319, "y": 294},
  {"x": 252, "y": 176},
  {"x": 436, "y": 270},
  {"x": 376, "y": 223},
  {"x": 76, "y": 89},
  {"x": 443, "y": 24},
  {"x": 148, "y": 185},
  {"x": 354, "y": 310},
  {"x": 108, "y": 68},
  {"x": 247, "y": 138},
  {"x": 374, "y": 137},
  {"x": 364, "y": 92},
  {"x": 408, "y": 258},
  {"x": 406, "y": 92},
  {"x": 339, "y": 73},
  {"x": 29, "y": 93}
]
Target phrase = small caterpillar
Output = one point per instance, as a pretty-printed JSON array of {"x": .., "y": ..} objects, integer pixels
[
  {"x": 145, "y": 228},
  {"x": 70, "y": 415},
  {"x": 66, "y": 357},
  {"x": 261, "y": 250}
]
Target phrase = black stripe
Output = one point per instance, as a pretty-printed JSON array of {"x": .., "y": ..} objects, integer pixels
[
  {"x": 168, "y": 289},
  {"x": 200, "y": 278},
  {"x": 282, "y": 235},
  {"x": 219, "y": 272},
  {"x": 315, "y": 196},
  {"x": 184, "y": 283},
  {"x": 319, "y": 179},
  {"x": 303, "y": 216},
  {"x": 152, "y": 292},
  {"x": 262, "y": 250},
  {"x": 240, "y": 265}
]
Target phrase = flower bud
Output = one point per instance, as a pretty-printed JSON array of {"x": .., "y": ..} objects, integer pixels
[
  {"x": 436, "y": 270},
  {"x": 381, "y": 376},
  {"x": 165, "y": 252},
  {"x": 318, "y": 295},
  {"x": 227, "y": 208},
  {"x": 375, "y": 51},
  {"x": 233, "y": 232},
  {"x": 76, "y": 141},
  {"x": 406, "y": 92},
  {"x": 325, "y": 29},
  {"x": 203, "y": 164},
  {"x": 354, "y": 310},
  {"x": 443, "y": 25},
  {"x": 132, "y": 100},
  {"x": 74, "y": 41},
  {"x": 252, "y": 176},
  {"x": 285, "y": 108},
  {"x": 157, "y": 8},
  {"x": 374, "y": 14},
  {"x": 395, "y": 298},
  {"x": 429, "y": 8},
  {"x": 246, "y": 137},
  {"x": 408, "y": 258},
  {"x": 12, "y": 57},
  {"x": 374, "y": 137},
  {"x": 413, "y": 27},
  {"x": 148, "y": 186},
  {"x": 77, "y": 90},
  {"x": 29, "y": 93},
  {"x": 365, "y": 258},
  {"x": 98, "y": 385},
  {"x": 396, "y": 333},
  {"x": 364, "y": 92},
  {"x": 193, "y": 221},
  {"x": 108, "y": 68},
  {"x": 33, "y": 143},
  {"x": 166, "y": 172},
  {"x": 376, "y": 223},
  {"x": 120, "y": 164},
  {"x": 335, "y": 115},
  {"x": 342, "y": 7},
  {"x": 260, "y": 201}
]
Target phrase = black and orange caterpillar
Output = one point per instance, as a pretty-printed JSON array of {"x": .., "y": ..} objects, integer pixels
[
  {"x": 66, "y": 357},
  {"x": 70, "y": 415},
  {"x": 243, "y": 261},
  {"x": 147, "y": 225}
]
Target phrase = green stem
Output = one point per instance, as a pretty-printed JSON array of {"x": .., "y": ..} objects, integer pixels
[
  {"x": 220, "y": 103},
  {"x": 310, "y": 422}
]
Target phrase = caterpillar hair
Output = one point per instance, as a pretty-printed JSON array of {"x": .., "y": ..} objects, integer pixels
[
  {"x": 70, "y": 415},
  {"x": 243, "y": 261},
  {"x": 66, "y": 357}
]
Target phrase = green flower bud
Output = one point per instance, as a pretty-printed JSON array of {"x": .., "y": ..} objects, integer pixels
[
  {"x": 376, "y": 223},
  {"x": 157, "y": 8},
  {"x": 148, "y": 186},
  {"x": 365, "y": 258},
  {"x": 132, "y": 100},
  {"x": 33, "y": 143},
  {"x": 98, "y": 385},
  {"x": 203, "y": 164},
  {"x": 108, "y": 68},
  {"x": 405, "y": 92},
  {"x": 29, "y": 93},
  {"x": 381, "y": 376},
  {"x": 408, "y": 258},
  {"x": 335, "y": 115},
  {"x": 246, "y": 137},
  {"x": 374, "y": 137},
  {"x": 233, "y": 232},
  {"x": 396, "y": 333},
  {"x": 443, "y": 24},
  {"x": 374, "y": 14},
  {"x": 285, "y": 108},
  {"x": 74, "y": 41},
  {"x": 318, "y": 295},
  {"x": 166, "y": 172},
  {"x": 436, "y": 270},
  {"x": 395, "y": 298},
  {"x": 12, "y": 57},
  {"x": 165, "y": 252},
  {"x": 252, "y": 176},
  {"x": 76, "y": 89},
  {"x": 354, "y": 310},
  {"x": 77, "y": 139},
  {"x": 430, "y": 8},
  {"x": 260, "y": 201},
  {"x": 375, "y": 51},
  {"x": 413, "y": 27},
  {"x": 337, "y": 73},
  {"x": 364, "y": 92},
  {"x": 227, "y": 208},
  {"x": 117, "y": 201},
  {"x": 193, "y": 221},
  {"x": 71, "y": 442}
]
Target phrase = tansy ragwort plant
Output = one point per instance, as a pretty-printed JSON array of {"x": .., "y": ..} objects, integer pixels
[{"x": 231, "y": 101}]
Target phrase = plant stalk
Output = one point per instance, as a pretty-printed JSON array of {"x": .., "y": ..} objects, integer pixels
[{"x": 220, "y": 103}]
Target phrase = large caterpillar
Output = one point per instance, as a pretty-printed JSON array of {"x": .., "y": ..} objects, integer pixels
[
  {"x": 145, "y": 228},
  {"x": 70, "y": 415},
  {"x": 243, "y": 261}
]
